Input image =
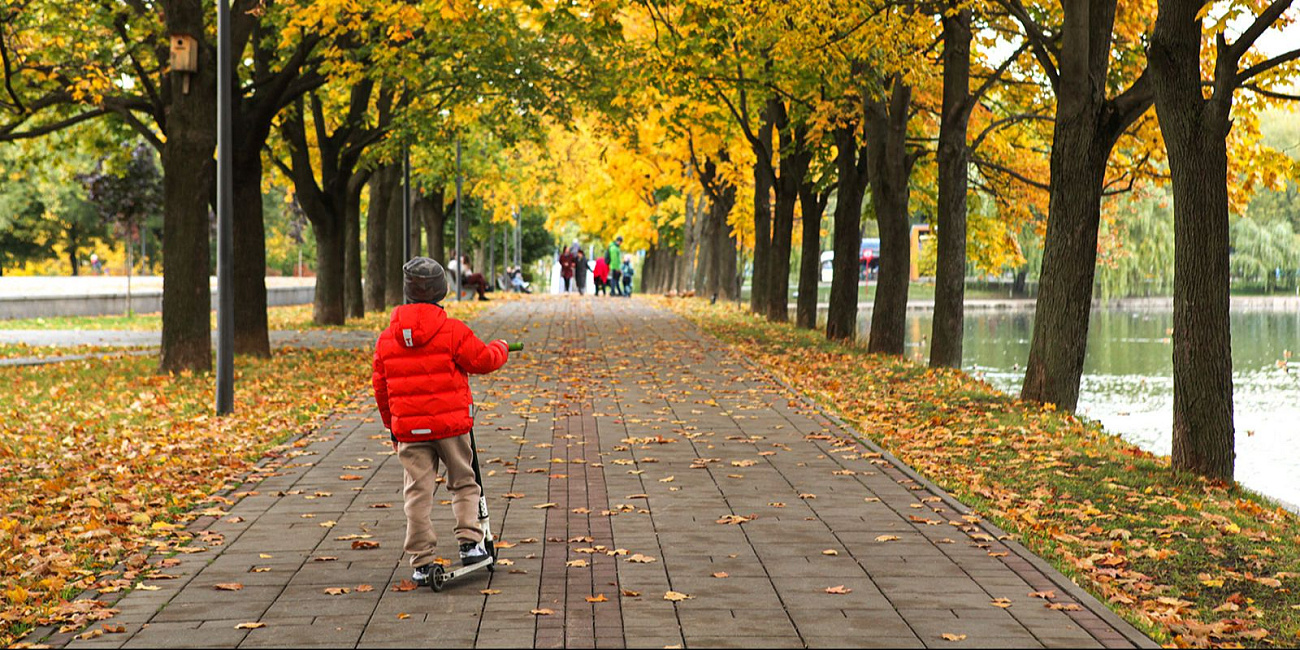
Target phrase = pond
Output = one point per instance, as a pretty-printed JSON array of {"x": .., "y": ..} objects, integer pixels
[{"x": 1128, "y": 379}]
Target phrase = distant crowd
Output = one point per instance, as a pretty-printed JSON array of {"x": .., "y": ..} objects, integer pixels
[{"x": 611, "y": 272}]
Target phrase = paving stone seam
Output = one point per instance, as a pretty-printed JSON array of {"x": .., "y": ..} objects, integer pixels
[
  {"x": 723, "y": 493},
  {"x": 1078, "y": 593},
  {"x": 614, "y": 397}
]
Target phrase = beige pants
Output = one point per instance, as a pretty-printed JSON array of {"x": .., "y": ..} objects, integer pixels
[{"x": 420, "y": 462}]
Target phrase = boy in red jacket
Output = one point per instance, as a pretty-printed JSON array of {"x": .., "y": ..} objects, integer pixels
[{"x": 421, "y": 367}]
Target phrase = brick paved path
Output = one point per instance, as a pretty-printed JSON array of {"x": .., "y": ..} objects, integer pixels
[{"x": 614, "y": 447}]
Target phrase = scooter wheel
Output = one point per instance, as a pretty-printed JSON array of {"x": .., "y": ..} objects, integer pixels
[{"x": 439, "y": 578}]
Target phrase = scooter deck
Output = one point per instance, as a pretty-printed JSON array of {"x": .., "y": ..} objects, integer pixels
[{"x": 452, "y": 575}]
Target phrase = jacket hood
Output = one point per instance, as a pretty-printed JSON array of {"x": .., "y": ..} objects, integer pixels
[{"x": 415, "y": 325}]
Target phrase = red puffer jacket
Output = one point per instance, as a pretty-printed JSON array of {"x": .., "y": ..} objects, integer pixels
[{"x": 421, "y": 368}]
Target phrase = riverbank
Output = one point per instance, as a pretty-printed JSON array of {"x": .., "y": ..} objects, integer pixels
[
  {"x": 1244, "y": 303},
  {"x": 1190, "y": 561}
]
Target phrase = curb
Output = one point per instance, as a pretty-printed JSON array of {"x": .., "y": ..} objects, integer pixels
[
  {"x": 1060, "y": 580},
  {"x": 1078, "y": 593}
]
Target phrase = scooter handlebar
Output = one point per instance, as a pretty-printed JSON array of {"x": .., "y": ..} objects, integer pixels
[{"x": 515, "y": 347}]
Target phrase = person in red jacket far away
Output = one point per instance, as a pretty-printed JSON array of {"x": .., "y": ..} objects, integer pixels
[{"x": 421, "y": 379}]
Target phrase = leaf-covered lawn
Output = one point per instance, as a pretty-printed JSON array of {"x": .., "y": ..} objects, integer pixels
[
  {"x": 1191, "y": 562},
  {"x": 98, "y": 458},
  {"x": 22, "y": 350},
  {"x": 289, "y": 317}
]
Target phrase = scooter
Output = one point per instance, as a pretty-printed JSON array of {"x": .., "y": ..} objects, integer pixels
[{"x": 441, "y": 576}]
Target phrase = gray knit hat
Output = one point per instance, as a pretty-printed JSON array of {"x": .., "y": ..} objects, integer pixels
[{"x": 424, "y": 280}]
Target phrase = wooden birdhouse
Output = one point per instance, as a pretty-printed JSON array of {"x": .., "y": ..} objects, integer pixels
[{"x": 184, "y": 58}]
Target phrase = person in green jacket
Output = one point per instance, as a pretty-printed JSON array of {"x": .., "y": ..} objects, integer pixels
[{"x": 614, "y": 257}]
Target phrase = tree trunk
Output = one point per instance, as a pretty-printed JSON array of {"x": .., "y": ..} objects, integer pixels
[
  {"x": 248, "y": 263},
  {"x": 1086, "y": 128},
  {"x": 851, "y": 168},
  {"x": 433, "y": 214},
  {"x": 1195, "y": 131},
  {"x": 329, "y": 304},
  {"x": 353, "y": 301},
  {"x": 953, "y": 161},
  {"x": 393, "y": 242},
  {"x": 724, "y": 280},
  {"x": 73, "y": 245},
  {"x": 890, "y": 166},
  {"x": 812, "y": 205},
  {"x": 795, "y": 160},
  {"x": 763, "y": 182},
  {"x": 381, "y": 193},
  {"x": 188, "y": 179}
]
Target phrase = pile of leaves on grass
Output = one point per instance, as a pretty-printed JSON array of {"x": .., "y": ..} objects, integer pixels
[
  {"x": 1195, "y": 563},
  {"x": 103, "y": 460},
  {"x": 25, "y": 351}
]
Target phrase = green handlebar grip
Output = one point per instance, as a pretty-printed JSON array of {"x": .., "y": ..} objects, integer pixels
[{"x": 515, "y": 347}]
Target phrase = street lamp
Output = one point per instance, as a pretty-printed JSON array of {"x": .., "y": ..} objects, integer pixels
[{"x": 225, "y": 399}]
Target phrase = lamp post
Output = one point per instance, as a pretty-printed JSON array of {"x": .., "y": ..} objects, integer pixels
[
  {"x": 225, "y": 235},
  {"x": 460, "y": 269},
  {"x": 406, "y": 203}
]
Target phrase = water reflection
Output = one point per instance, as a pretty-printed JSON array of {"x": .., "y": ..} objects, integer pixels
[{"x": 1128, "y": 379}]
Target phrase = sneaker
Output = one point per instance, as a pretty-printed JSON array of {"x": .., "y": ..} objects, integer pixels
[
  {"x": 422, "y": 575},
  {"x": 472, "y": 553}
]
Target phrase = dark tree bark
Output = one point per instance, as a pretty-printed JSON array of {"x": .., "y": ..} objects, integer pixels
[
  {"x": 393, "y": 241},
  {"x": 354, "y": 301},
  {"x": 953, "y": 160},
  {"x": 1195, "y": 130},
  {"x": 248, "y": 264},
  {"x": 381, "y": 194},
  {"x": 851, "y": 170},
  {"x": 74, "y": 243},
  {"x": 889, "y": 167},
  {"x": 329, "y": 307},
  {"x": 253, "y": 114},
  {"x": 764, "y": 180},
  {"x": 191, "y": 127},
  {"x": 813, "y": 204},
  {"x": 433, "y": 213},
  {"x": 724, "y": 280},
  {"x": 795, "y": 159},
  {"x": 1086, "y": 128},
  {"x": 717, "y": 244}
]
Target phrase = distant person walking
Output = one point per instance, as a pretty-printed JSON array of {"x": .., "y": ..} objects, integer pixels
[
  {"x": 601, "y": 273},
  {"x": 627, "y": 277},
  {"x": 567, "y": 265},
  {"x": 580, "y": 262},
  {"x": 614, "y": 257}
]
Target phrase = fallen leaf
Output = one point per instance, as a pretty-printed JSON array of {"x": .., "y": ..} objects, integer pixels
[
  {"x": 363, "y": 544},
  {"x": 598, "y": 598},
  {"x": 250, "y": 626},
  {"x": 887, "y": 538},
  {"x": 405, "y": 585},
  {"x": 953, "y": 637},
  {"x": 228, "y": 586},
  {"x": 337, "y": 591},
  {"x": 541, "y": 611},
  {"x": 839, "y": 589},
  {"x": 676, "y": 596}
]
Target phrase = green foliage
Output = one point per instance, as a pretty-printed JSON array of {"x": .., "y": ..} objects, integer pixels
[
  {"x": 1265, "y": 256},
  {"x": 1140, "y": 262}
]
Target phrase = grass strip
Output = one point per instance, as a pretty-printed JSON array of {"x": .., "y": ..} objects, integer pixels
[{"x": 101, "y": 458}]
